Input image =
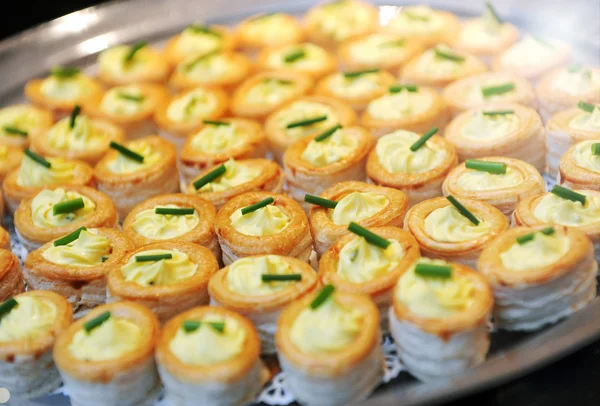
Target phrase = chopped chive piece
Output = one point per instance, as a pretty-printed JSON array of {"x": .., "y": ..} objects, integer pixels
[
  {"x": 587, "y": 74},
  {"x": 308, "y": 121},
  {"x": 322, "y": 296},
  {"x": 371, "y": 238},
  {"x": 568, "y": 194},
  {"x": 256, "y": 206},
  {"x": 497, "y": 90},
  {"x": 209, "y": 177},
  {"x": 190, "y": 106},
  {"x": 219, "y": 326},
  {"x": 279, "y": 81},
  {"x": 68, "y": 207},
  {"x": 96, "y": 322},
  {"x": 498, "y": 168},
  {"x": 493, "y": 12},
  {"x": 294, "y": 56},
  {"x": 104, "y": 259},
  {"x": 74, "y": 114},
  {"x": 126, "y": 152},
  {"x": 448, "y": 55},
  {"x": 543, "y": 42},
  {"x": 424, "y": 138},
  {"x": 189, "y": 326},
  {"x": 353, "y": 255},
  {"x": 152, "y": 258},
  {"x": 64, "y": 72},
  {"x": 498, "y": 112},
  {"x": 130, "y": 97},
  {"x": 522, "y": 239},
  {"x": 588, "y": 107},
  {"x": 266, "y": 277},
  {"x": 175, "y": 211},
  {"x": 69, "y": 237},
  {"x": 7, "y": 306},
  {"x": 547, "y": 231},
  {"x": 596, "y": 148},
  {"x": 413, "y": 16},
  {"x": 133, "y": 51},
  {"x": 261, "y": 16},
  {"x": 202, "y": 29},
  {"x": 327, "y": 133},
  {"x": 574, "y": 68},
  {"x": 215, "y": 122},
  {"x": 355, "y": 74},
  {"x": 390, "y": 44},
  {"x": 463, "y": 210},
  {"x": 40, "y": 160},
  {"x": 437, "y": 271},
  {"x": 9, "y": 129},
  {"x": 399, "y": 88},
  {"x": 190, "y": 65},
  {"x": 319, "y": 201}
]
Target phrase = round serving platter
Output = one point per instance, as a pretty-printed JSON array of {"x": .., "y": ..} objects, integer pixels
[{"x": 77, "y": 38}]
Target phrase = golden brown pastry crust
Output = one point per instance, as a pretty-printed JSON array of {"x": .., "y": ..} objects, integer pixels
[
  {"x": 11, "y": 161},
  {"x": 175, "y": 56},
  {"x": 4, "y": 239},
  {"x": 45, "y": 119},
  {"x": 450, "y": 28},
  {"x": 32, "y": 236},
  {"x": 328, "y": 64},
  {"x": 504, "y": 199},
  {"x": 249, "y": 41},
  {"x": 465, "y": 252},
  {"x": 573, "y": 176},
  {"x": 33, "y": 92},
  {"x": 166, "y": 300},
  {"x": 508, "y": 34},
  {"x": 270, "y": 179},
  {"x": 11, "y": 278},
  {"x": 158, "y": 71}
]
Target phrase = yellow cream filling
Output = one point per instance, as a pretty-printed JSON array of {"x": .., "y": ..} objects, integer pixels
[
  {"x": 583, "y": 157},
  {"x": 113, "y": 61},
  {"x": 85, "y": 251},
  {"x": 31, "y": 319},
  {"x": 399, "y": 105},
  {"x": 480, "y": 180},
  {"x": 195, "y": 42},
  {"x": 304, "y": 110},
  {"x": 490, "y": 127},
  {"x": 482, "y": 31},
  {"x": 124, "y": 101},
  {"x": 41, "y": 208},
  {"x": 206, "y": 345},
  {"x": 245, "y": 275},
  {"x": 123, "y": 164},
  {"x": 576, "y": 81},
  {"x": 163, "y": 272},
  {"x": 24, "y": 118},
  {"x": 587, "y": 121},
  {"x": 314, "y": 57},
  {"x": 341, "y": 20},
  {"x": 357, "y": 206},
  {"x": 432, "y": 297},
  {"x": 271, "y": 28},
  {"x": 64, "y": 89},
  {"x": 394, "y": 154},
  {"x": 111, "y": 340},
  {"x": 193, "y": 105},
  {"x": 329, "y": 151},
  {"x": 530, "y": 51},
  {"x": 542, "y": 251},
  {"x": 359, "y": 86},
  {"x": 164, "y": 226},
  {"x": 84, "y": 136},
  {"x": 236, "y": 173},
  {"x": 446, "y": 224},
  {"x": 268, "y": 220},
  {"x": 416, "y": 20},
  {"x": 430, "y": 63},
  {"x": 218, "y": 139},
  {"x": 556, "y": 210},
  {"x": 361, "y": 262},
  {"x": 32, "y": 174},
  {"x": 270, "y": 92},
  {"x": 377, "y": 48}
]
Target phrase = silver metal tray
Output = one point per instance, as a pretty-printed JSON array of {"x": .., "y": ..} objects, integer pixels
[{"x": 75, "y": 39}]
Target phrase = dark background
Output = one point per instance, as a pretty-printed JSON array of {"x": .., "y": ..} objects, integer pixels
[{"x": 574, "y": 380}]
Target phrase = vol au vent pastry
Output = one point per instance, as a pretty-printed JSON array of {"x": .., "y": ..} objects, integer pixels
[
  {"x": 259, "y": 223},
  {"x": 312, "y": 164},
  {"x": 58, "y": 210},
  {"x": 306, "y": 116},
  {"x": 579, "y": 167},
  {"x": 304, "y": 57},
  {"x": 218, "y": 141},
  {"x": 221, "y": 183},
  {"x": 4, "y": 237},
  {"x": 262, "y": 93},
  {"x": 186, "y": 112},
  {"x": 268, "y": 30},
  {"x": 138, "y": 63},
  {"x": 539, "y": 275},
  {"x": 167, "y": 277},
  {"x": 137, "y": 171},
  {"x": 508, "y": 129},
  {"x": 11, "y": 278},
  {"x": 439, "y": 66},
  {"x": 76, "y": 265},
  {"x": 439, "y": 318},
  {"x": 500, "y": 181},
  {"x": 341, "y": 364},
  {"x": 106, "y": 358},
  {"x": 353, "y": 202},
  {"x": 369, "y": 261},
  {"x": 197, "y": 40},
  {"x": 209, "y": 356},
  {"x": 406, "y": 107},
  {"x": 173, "y": 218},
  {"x": 259, "y": 288},
  {"x": 569, "y": 127},
  {"x": 10, "y": 159},
  {"x": 29, "y": 325},
  {"x": 20, "y": 123},
  {"x": 35, "y": 172},
  {"x": 454, "y": 229},
  {"x": 415, "y": 164}
]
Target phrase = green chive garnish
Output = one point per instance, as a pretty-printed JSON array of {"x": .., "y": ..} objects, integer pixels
[
  {"x": 327, "y": 133},
  {"x": 104, "y": 259},
  {"x": 152, "y": 258},
  {"x": 498, "y": 112},
  {"x": 266, "y": 277},
  {"x": 319, "y": 201},
  {"x": 9, "y": 129},
  {"x": 547, "y": 231},
  {"x": 279, "y": 81},
  {"x": 596, "y": 148},
  {"x": 190, "y": 106},
  {"x": 209, "y": 177},
  {"x": 256, "y": 206},
  {"x": 463, "y": 210},
  {"x": 175, "y": 211},
  {"x": 96, "y": 322},
  {"x": 130, "y": 97},
  {"x": 40, "y": 160},
  {"x": 390, "y": 44},
  {"x": 399, "y": 88},
  {"x": 370, "y": 237},
  {"x": 133, "y": 51},
  {"x": 497, "y": 90},
  {"x": 431, "y": 270},
  {"x": 587, "y": 107},
  {"x": 190, "y": 65},
  {"x": 498, "y": 168},
  {"x": 261, "y": 16},
  {"x": 73, "y": 116},
  {"x": 414, "y": 16},
  {"x": 126, "y": 152},
  {"x": 493, "y": 12},
  {"x": 69, "y": 237},
  {"x": 215, "y": 122},
  {"x": 448, "y": 55},
  {"x": 568, "y": 194},
  {"x": 68, "y": 207},
  {"x": 306, "y": 122},
  {"x": 574, "y": 68},
  {"x": 322, "y": 296},
  {"x": 64, "y": 73},
  {"x": 424, "y": 138},
  {"x": 189, "y": 326},
  {"x": 355, "y": 74},
  {"x": 522, "y": 239},
  {"x": 7, "y": 306},
  {"x": 294, "y": 56},
  {"x": 202, "y": 29}
]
